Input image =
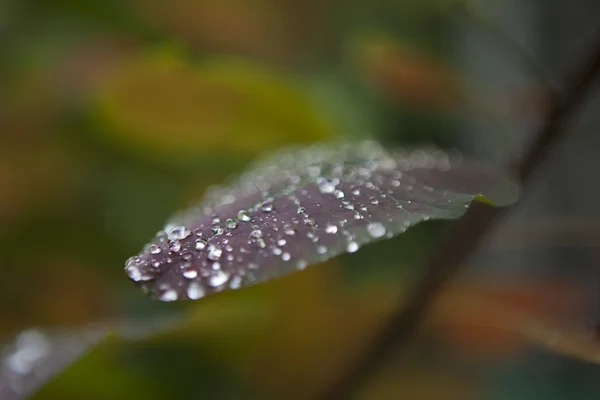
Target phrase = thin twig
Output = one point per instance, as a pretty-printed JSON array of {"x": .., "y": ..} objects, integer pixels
[{"x": 467, "y": 233}]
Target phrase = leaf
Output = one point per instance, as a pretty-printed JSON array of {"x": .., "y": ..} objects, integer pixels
[
  {"x": 302, "y": 206},
  {"x": 218, "y": 111},
  {"x": 36, "y": 356}
]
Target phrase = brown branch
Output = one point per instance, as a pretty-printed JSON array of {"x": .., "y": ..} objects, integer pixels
[{"x": 468, "y": 232}]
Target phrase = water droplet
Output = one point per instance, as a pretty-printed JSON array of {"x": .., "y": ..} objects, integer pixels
[
  {"x": 376, "y": 229},
  {"x": 214, "y": 252},
  {"x": 195, "y": 291},
  {"x": 243, "y": 216},
  {"x": 373, "y": 201},
  {"x": 267, "y": 207},
  {"x": 154, "y": 249},
  {"x": 186, "y": 256},
  {"x": 339, "y": 194},
  {"x": 395, "y": 183},
  {"x": 332, "y": 229},
  {"x": 301, "y": 264},
  {"x": 200, "y": 244},
  {"x": 301, "y": 210},
  {"x": 217, "y": 230},
  {"x": 178, "y": 232},
  {"x": 261, "y": 243},
  {"x": 190, "y": 273},
  {"x": 288, "y": 230},
  {"x": 356, "y": 192},
  {"x": 352, "y": 247},
  {"x": 216, "y": 266},
  {"x": 168, "y": 295},
  {"x": 156, "y": 263},
  {"x": 276, "y": 250},
  {"x": 235, "y": 282},
  {"x": 136, "y": 269},
  {"x": 230, "y": 224},
  {"x": 257, "y": 233},
  {"x": 218, "y": 278},
  {"x": 321, "y": 249},
  {"x": 286, "y": 256},
  {"x": 326, "y": 187},
  {"x": 281, "y": 242},
  {"x": 175, "y": 245}
]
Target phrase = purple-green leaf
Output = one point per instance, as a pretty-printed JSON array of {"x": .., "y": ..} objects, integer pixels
[{"x": 302, "y": 206}]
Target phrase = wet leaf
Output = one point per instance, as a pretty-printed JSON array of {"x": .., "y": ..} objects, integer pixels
[
  {"x": 35, "y": 356},
  {"x": 303, "y": 206}
]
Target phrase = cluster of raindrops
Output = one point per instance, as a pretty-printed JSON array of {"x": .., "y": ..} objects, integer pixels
[{"x": 295, "y": 208}]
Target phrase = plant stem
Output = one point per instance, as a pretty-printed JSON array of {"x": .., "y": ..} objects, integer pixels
[{"x": 467, "y": 233}]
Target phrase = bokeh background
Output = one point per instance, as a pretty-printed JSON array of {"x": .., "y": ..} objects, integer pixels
[{"x": 115, "y": 114}]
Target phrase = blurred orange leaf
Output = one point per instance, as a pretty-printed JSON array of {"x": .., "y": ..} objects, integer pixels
[{"x": 407, "y": 75}]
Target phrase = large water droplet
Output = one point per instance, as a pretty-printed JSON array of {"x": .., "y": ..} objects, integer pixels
[
  {"x": 154, "y": 249},
  {"x": 332, "y": 229},
  {"x": 175, "y": 245},
  {"x": 168, "y": 295},
  {"x": 243, "y": 216},
  {"x": 352, "y": 247},
  {"x": 376, "y": 229},
  {"x": 214, "y": 252},
  {"x": 137, "y": 270},
  {"x": 217, "y": 278},
  {"x": 178, "y": 233},
  {"x": 195, "y": 291}
]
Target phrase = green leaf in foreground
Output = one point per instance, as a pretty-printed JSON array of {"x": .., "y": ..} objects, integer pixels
[{"x": 302, "y": 206}]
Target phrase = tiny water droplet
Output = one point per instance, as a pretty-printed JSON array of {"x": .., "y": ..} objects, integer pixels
[
  {"x": 230, "y": 223},
  {"x": 257, "y": 233},
  {"x": 286, "y": 256},
  {"x": 200, "y": 244},
  {"x": 154, "y": 249},
  {"x": 281, "y": 242},
  {"x": 267, "y": 207},
  {"x": 288, "y": 230},
  {"x": 321, "y": 249}
]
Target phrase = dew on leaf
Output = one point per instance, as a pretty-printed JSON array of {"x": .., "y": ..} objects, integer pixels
[{"x": 319, "y": 201}]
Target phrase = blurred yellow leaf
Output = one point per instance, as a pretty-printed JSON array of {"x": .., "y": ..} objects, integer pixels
[{"x": 222, "y": 108}]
